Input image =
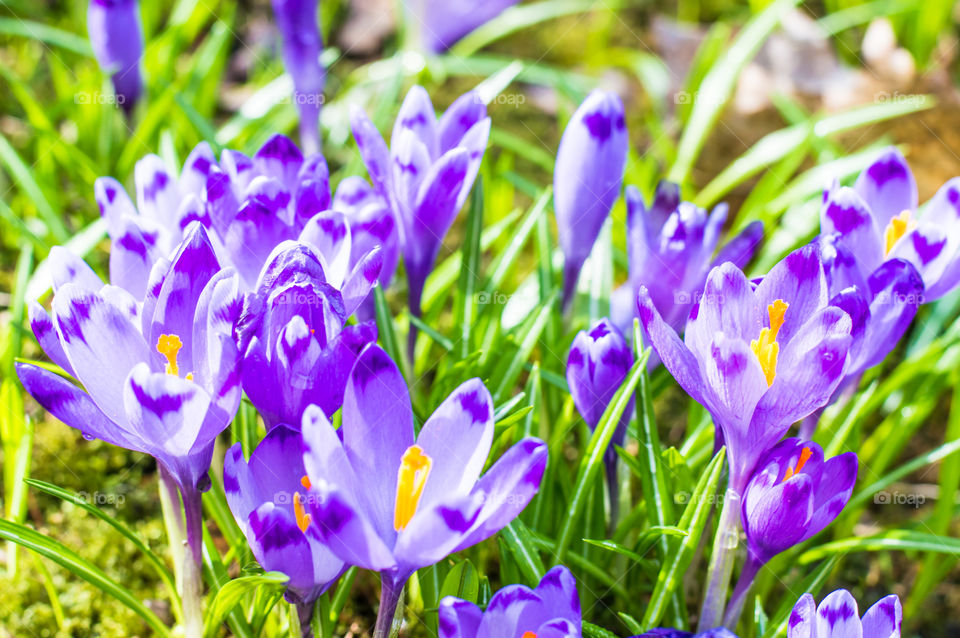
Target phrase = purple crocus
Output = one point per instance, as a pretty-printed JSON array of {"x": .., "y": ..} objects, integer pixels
[
  {"x": 159, "y": 377},
  {"x": 793, "y": 495},
  {"x": 587, "y": 178},
  {"x": 837, "y": 617},
  {"x": 717, "y": 632},
  {"x": 597, "y": 364},
  {"x": 302, "y": 44},
  {"x": 267, "y": 496},
  {"x": 426, "y": 174},
  {"x": 388, "y": 500},
  {"x": 551, "y": 610},
  {"x": 117, "y": 41},
  {"x": 296, "y": 349},
  {"x": 670, "y": 249},
  {"x": 758, "y": 359},
  {"x": 441, "y": 23}
]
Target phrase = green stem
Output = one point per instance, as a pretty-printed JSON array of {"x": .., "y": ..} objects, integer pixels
[
  {"x": 390, "y": 614},
  {"x": 721, "y": 562}
]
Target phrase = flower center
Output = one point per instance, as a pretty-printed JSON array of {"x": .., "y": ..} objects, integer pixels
[
  {"x": 766, "y": 347},
  {"x": 411, "y": 479},
  {"x": 169, "y": 346},
  {"x": 303, "y": 519},
  {"x": 897, "y": 228},
  {"x": 805, "y": 455},
  {"x": 529, "y": 634}
]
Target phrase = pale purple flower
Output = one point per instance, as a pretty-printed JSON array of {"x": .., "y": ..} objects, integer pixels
[
  {"x": 837, "y": 616},
  {"x": 117, "y": 41}
]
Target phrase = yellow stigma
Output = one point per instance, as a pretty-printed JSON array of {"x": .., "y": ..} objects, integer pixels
[
  {"x": 805, "y": 455},
  {"x": 896, "y": 229},
  {"x": 529, "y": 634},
  {"x": 411, "y": 479},
  {"x": 303, "y": 519},
  {"x": 766, "y": 347},
  {"x": 169, "y": 346}
]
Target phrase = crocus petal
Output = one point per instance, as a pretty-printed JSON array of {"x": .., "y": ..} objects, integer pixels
[
  {"x": 887, "y": 186},
  {"x": 65, "y": 267},
  {"x": 458, "y": 618},
  {"x": 372, "y": 149},
  {"x": 361, "y": 279},
  {"x": 460, "y": 117},
  {"x": 897, "y": 291},
  {"x": 132, "y": 255},
  {"x": 436, "y": 208},
  {"x": 800, "y": 281},
  {"x": 883, "y": 619},
  {"x": 435, "y": 531},
  {"x": 329, "y": 235},
  {"x": 165, "y": 410},
  {"x": 561, "y": 628},
  {"x": 157, "y": 195},
  {"x": 196, "y": 169},
  {"x": 113, "y": 202},
  {"x": 47, "y": 337},
  {"x": 442, "y": 23},
  {"x": 279, "y": 545},
  {"x": 740, "y": 249},
  {"x": 475, "y": 144},
  {"x": 837, "y": 616},
  {"x": 279, "y": 158},
  {"x": 117, "y": 42},
  {"x": 802, "y": 622},
  {"x": 559, "y": 599},
  {"x": 777, "y": 518},
  {"x": 346, "y": 531},
  {"x": 844, "y": 212},
  {"x": 302, "y": 45},
  {"x": 417, "y": 116},
  {"x": 313, "y": 187},
  {"x": 215, "y": 353},
  {"x": 728, "y": 305}
]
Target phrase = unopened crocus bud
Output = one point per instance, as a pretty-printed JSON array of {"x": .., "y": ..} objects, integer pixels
[
  {"x": 587, "y": 178},
  {"x": 117, "y": 41},
  {"x": 302, "y": 44}
]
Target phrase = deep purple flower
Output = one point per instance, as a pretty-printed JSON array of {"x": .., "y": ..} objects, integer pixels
[
  {"x": 718, "y": 632},
  {"x": 670, "y": 250},
  {"x": 248, "y": 206},
  {"x": 387, "y": 500},
  {"x": 878, "y": 220},
  {"x": 296, "y": 349},
  {"x": 440, "y": 23},
  {"x": 837, "y": 617},
  {"x": 302, "y": 44},
  {"x": 758, "y": 359},
  {"x": 117, "y": 41},
  {"x": 552, "y": 610},
  {"x": 597, "y": 364},
  {"x": 267, "y": 496},
  {"x": 426, "y": 174},
  {"x": 587, "y": 178}
]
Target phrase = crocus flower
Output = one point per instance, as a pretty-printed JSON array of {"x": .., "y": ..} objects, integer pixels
[
  {"x": 302, "y": 44},
  {"x": 793, "y": 495},
  {"x": 426, "y": 174},
  {"x": 159, "y": 377},
  {"x": 670, "y": 250},
  {"x": 758, "y": 359},
  {"x": 267, "y": 496},
  {"x": 837, "y": 617},
  {"x": 551, "y": 610},
  {"x": 387, "y": 500},
  {"x": 878, "y": 220},
  {"x": 441, "y": 23},
  {"x": 718, "y": 632},
  {"x": 597, "y": 364},
  {"x": 587, "y": 178},
  {"x": 296, "y": 349},
  {"x": 117, "y": 41}
]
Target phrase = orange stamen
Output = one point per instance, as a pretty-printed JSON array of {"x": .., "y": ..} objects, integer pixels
[
  {"x": 169, "y": 346},
  {"x": 411, "y": 479},
  {"x": 305, "y": 482},
  {"x": 303, "y": 519},
  {"x": 896, "y": 229},
  {"x": 529, "y": 634},
  {"x": 766, "y": 347},
  {"x": 805, "y": 455}
]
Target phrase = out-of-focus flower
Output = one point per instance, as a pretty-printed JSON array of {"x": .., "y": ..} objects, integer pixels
[
  {"x": 296, "y": 349},
  {"x": 302, "y": 44},
  {"x": 387, "y": 500},
  {"x": 440, "y": 23},
  {"x": 552, "y": 610},
  {"x": 587, "y": 178},
  {"x": 597, "y": 364},
  {"x": 758, "y": 359},
  {"x": 267, "y": 496},
  {"x": 159, "y": 377},
  {"x": 670, "y": 250},
  {"x": 117, "y": 41},
  {"x": 426, "y": 174},
  {"x": 837, "y": 617}
]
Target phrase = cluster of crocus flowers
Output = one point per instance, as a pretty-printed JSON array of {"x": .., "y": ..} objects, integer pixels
[
  {"x": 426, "y": 173},
  {"x": 117, "y": 42},
  {"x": 297, "y": 349},
  {"x": 671, "y": 246},
  {"x": 587, "y": 179},
  {"x": 598, "y": 362},
  {"x": 385, "y": 499},
  {"x": 441, "y": 23},
  {"x": 302, "y": 45},
  {"x": 551, "y": 610},
  {"x": 837, "y": 617}
]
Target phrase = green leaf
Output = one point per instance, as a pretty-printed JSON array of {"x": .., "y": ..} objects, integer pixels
[
  {"x": 515, "y": 19},
  {"x": 891, "y": 540},
  {"x": 72, "y": 562},
  {"x": 528, "y": 338},
  {"x": 233, "y": 592},
  {"x": 812, "y": 583},
  {"x": 462, "y": 581},
  {"x": 521, "y": 544},
  {"x": 465, "y": 311}
]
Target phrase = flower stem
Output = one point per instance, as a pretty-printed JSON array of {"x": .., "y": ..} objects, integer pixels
[
  {"x": 390, "y": 614},
  {"x": 739, "y": 596},
  {"x": 305, "y": 616},
  {"x": 721, "y": 562},
  {"x": 185, "y": 533}
]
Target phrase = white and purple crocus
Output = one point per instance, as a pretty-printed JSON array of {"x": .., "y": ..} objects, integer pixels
[
  {"x": 551, "y": 610},
  {"x": 302, "y": 44},
  {"x": 759, "y": 359},
  {"x": 160, "y": 376},
  {"x": 587, "y": 179},
  {"x": 117, "y": 42},
  {"x": 426, "y": 173},
  {"x": 297, "y": 349},
  {"x": 837, "y": 617},
  {"x": 386, "y": 499}
]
